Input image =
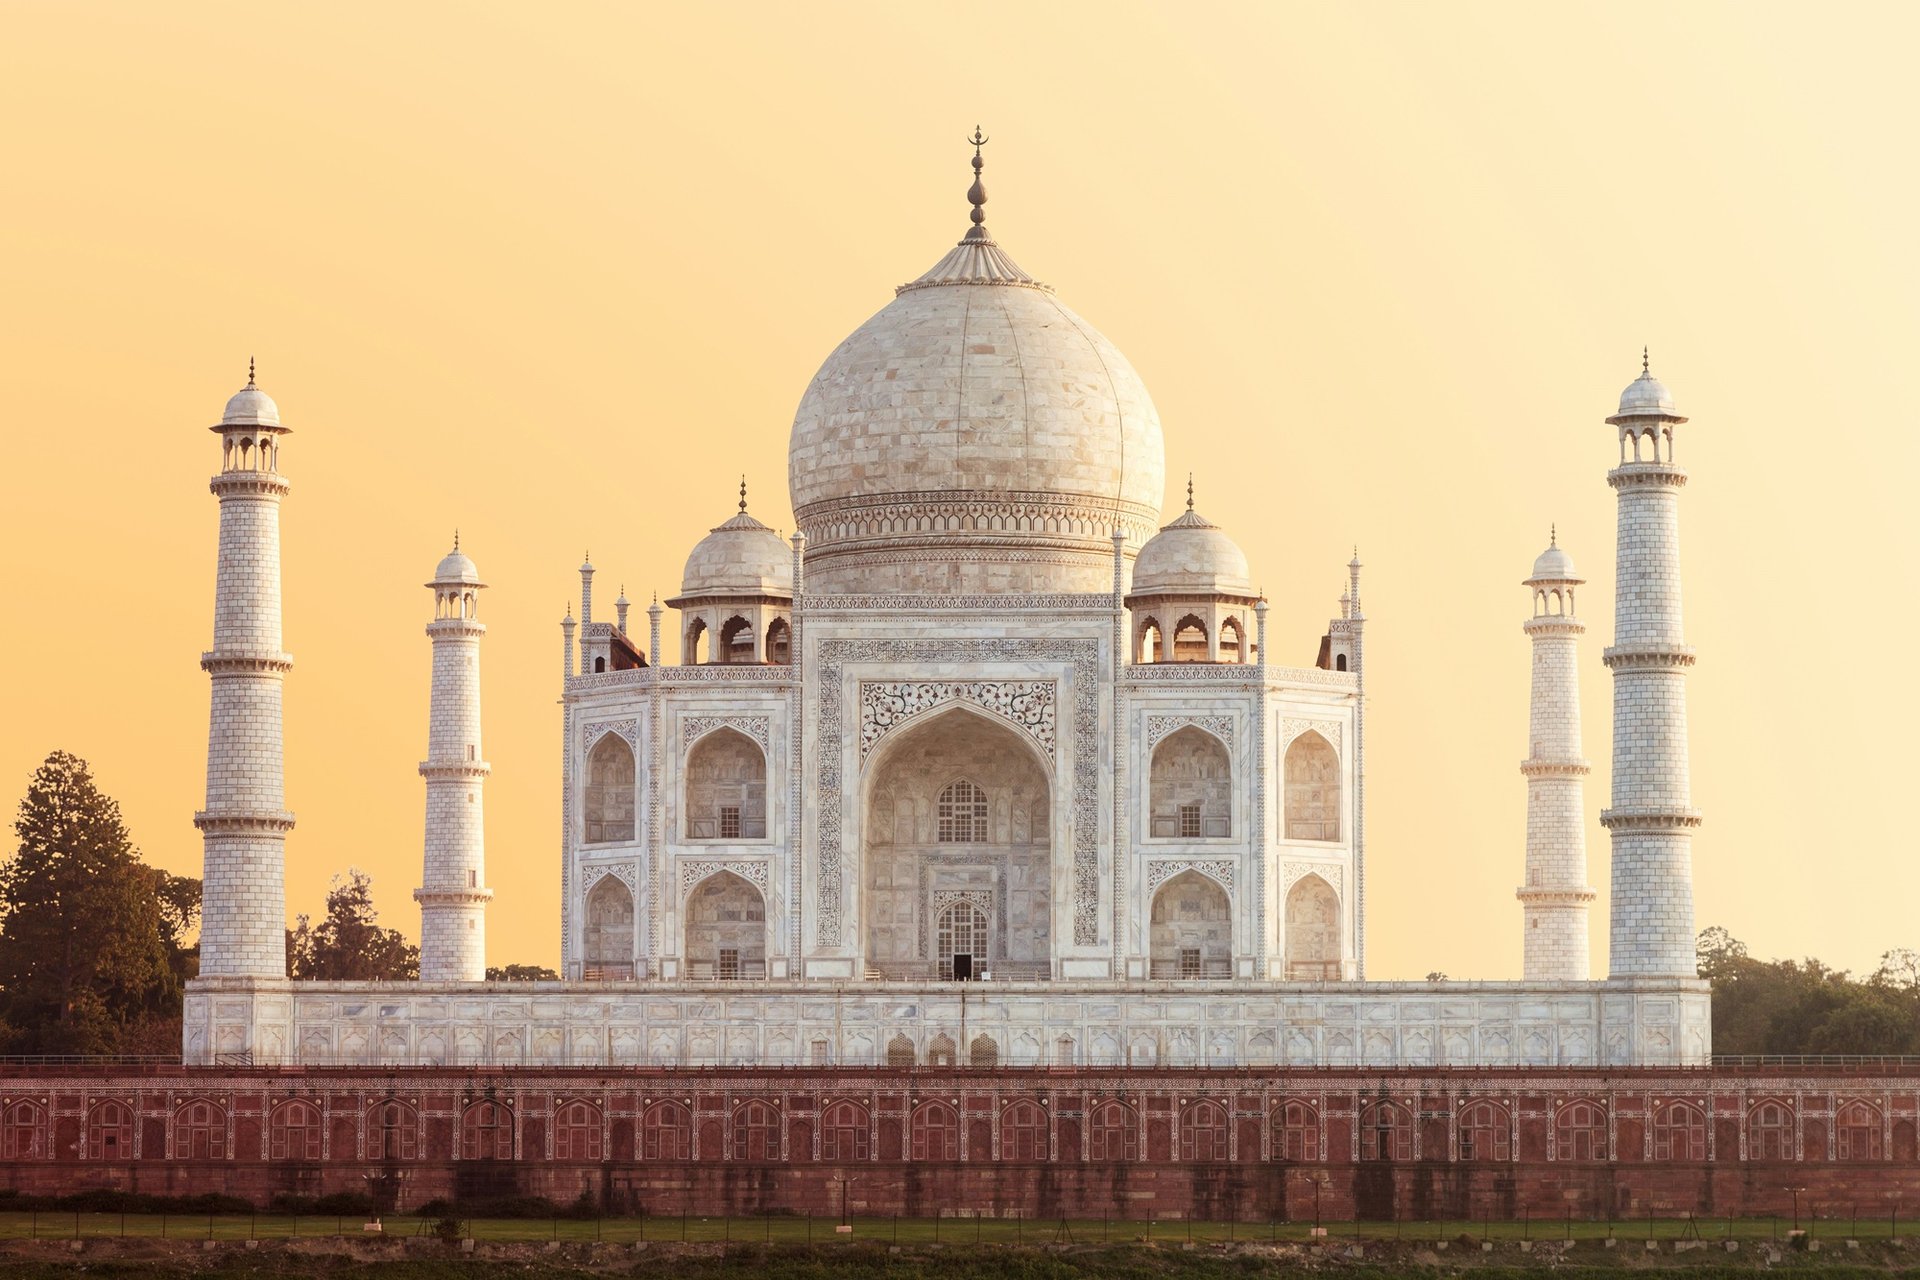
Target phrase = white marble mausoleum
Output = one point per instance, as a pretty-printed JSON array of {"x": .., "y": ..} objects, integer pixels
[{"x": 985, "y": 763}]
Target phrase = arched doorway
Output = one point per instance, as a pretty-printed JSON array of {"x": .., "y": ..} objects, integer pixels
[
  {"x": 726, "y": 788},
  {"x": 609, "y": 949},
  {"x": 963, "y": 942},
  {"x": 958, "y": 809},
  {"x": 726, "y": 935},
  {"x": 1313, "y": 931},
  {"x": 1191, "y": 929}
]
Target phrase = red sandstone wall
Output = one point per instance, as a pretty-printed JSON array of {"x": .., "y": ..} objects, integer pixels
[{"x": 1085, "y": 1143}]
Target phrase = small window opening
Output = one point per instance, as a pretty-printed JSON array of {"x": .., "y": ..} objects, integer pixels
[
  {"x": 1189, "y": 962},
  {"x": 599, "y": 665},
  {"x": 729, "y": 964},
  {"x": 729, "y": 822},
  {"x": 1190, "y": 821},
  {"x": 473, "y": 879},
  {"x": 819, "y": 1053},
  {"x": 1340, "y": 663}
]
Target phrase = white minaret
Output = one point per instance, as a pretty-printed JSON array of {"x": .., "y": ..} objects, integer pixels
[
  {"x": 453, "y": 894},
  {"x": 244, "y": 826},
  {"x": 1555, "y": 897},
  {"x": 1651, "y": 819}
]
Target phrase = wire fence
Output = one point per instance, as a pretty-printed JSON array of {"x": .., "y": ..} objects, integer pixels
[{"x": 792, "y": 1229}]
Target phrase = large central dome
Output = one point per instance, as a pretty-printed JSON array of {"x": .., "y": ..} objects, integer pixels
[{"x": 975, "y": 435}]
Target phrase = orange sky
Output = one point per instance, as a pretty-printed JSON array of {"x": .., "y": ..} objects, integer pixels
[{"x": 557, "y": 274}]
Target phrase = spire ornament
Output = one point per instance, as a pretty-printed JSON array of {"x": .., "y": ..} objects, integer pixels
[
  {"x": 1189, "y": 490},
  {"x": 1646, "y": 370},
  {"x": 249, "y": 370},
  {"x": 977, "y": 193},
  {"x": 743, "y": 495}
]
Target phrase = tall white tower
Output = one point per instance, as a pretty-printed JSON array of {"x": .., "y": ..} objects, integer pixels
[
  {"x": 1651, "y": 819},
  {"x": 453, "y": 895},
  {"x": 244, "y": 826},
  {"x": 1555, "y": 896}
]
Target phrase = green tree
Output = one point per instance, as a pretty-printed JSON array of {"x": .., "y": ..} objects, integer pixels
[
  {"x": 521, "y": 973},
  {"x": 1792, "y": 1007},
  {"x": 90, "y": 956},
  {"x": 348, "y": 945}
]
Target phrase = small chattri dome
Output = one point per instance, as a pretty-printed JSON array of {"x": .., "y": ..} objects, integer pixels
[
  {"x": 1647, "y": 396},
  {"x": 455, "y": 566},
  {"x": 1191, "y": 556},
  {"x": 739, "y": 558},
  {"x": 1554, "y": 565},
  {"x": 251, "y": 407}
]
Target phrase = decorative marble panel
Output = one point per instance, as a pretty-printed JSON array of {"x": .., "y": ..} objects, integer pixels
[
  {"x": 628, "y": 729},
  {"x": 759, "y": 728},
  {"x": 694, "y": 870},
  {"x": 1328, "y": 729},
  {"x": 885, "y": 705},
  {"x": 1332, "y": 872},
  {"x": 1162, "y": 870},
  {"x": 1159, "y": 727}
]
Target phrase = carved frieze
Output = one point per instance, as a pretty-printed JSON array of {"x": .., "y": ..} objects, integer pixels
[
  {"x": 628, "y": 729},
  {"x": 1159, "y": 871},
  {"x": 759, "y": 728},
  {"x": 1028, "y": 705},
  {"x": 1159, "y": 727},
  {"x": 1291, "y": 728},
  {"x": 694, "y": 870}
]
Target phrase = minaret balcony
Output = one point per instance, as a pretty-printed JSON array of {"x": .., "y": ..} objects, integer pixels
[
  {"x": 217, "y": 663},
  {"x": 1642, "y": 475},
  {"x": 1649, "y": 818},
  {"x": 1647, "y": 657},
  {"x": 1539, "y": 768}
]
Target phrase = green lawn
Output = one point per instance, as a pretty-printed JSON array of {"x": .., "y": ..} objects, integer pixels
[{"x": 780, "y": 1229}]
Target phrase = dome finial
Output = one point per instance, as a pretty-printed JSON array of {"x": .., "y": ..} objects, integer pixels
[
  {"x": 977, "y": 193},
  {"x": 1189, "y": 490},
  {"x": 743, "y": 494},
  {"x": 249, "y": 370},
  {"x": 1553, "y": 534},
  {"x": 456, "y": 539},
  {"x": 1646, "y": 369}
]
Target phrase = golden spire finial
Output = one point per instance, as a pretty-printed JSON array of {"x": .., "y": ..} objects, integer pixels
[
  {"x": 743, "y": 494},
  {"x": 1189, "y": 490},
  {"x": 249, "y": 370},
  {"x": 1645, "y": 371}
]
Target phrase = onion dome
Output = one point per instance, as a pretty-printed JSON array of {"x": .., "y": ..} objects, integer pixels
[
  {"x": 456, "y": 567},
  {"x": 974, "y": 435},
  {"x": 1192, "y": 556},
  {"x": 1647, "y": 397},
  {"x": 1554, "y": 565},
  {"x": 739, "y": 558},
  {"x": 250, "y": 407}
]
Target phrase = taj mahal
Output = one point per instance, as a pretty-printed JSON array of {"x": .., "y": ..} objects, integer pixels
[{"x": 985, "y": 765}]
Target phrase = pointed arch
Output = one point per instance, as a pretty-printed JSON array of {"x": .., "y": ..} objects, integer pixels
[
  {"x": 1312, "y": 772},
  {"x": 23, "y": 1131},
  {"x": 726, "y": 788},
  {"x": 934, "y": 1133},
  {"x": 1233, "y": 641},
  {"x": 985, "y": 1051},
  {"x": 779, "y": 642},
  {"x": 1149, "y": 642},
  {"x": 486, "y": 1131},
  {"x": 726, "y": 929},
  {"x": 1023, "y": 1132},
  {"x": 1296, "y": 1132},
  {"x": 694, "y": 643},
  {"x": 1770, "y": 1130},
  {"x": 199, "y": 1130},
  {"x": 1204, "y": 1132},
  {"x": 1190, "y": 640},
  {"x": 294, "y": 1130},
  {"x": 1191, "y": 929},
  {"x": 578, "y": 1132},
  {"x": 666, "y": 1132},
  {"x": 393, "y": 1131},
  {"x": 1580, "y": 1131},
  {"x": 1386, "y": 1131},
  {"x": 900, "y": 1053},
  {"x": 1486, "y": 1132},
  {"x": 1313, "y": 943},
  {"x": 611, "y": 793},
  {"x": 1190, "y": 787},
  {"x": 962, "y": 813},
  {"x": 756, "y": 1131},
  {"x": 736, "y": 641},
  {"x": 608, "y": 953},
  {"x": 1113, "y": 1132}
]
